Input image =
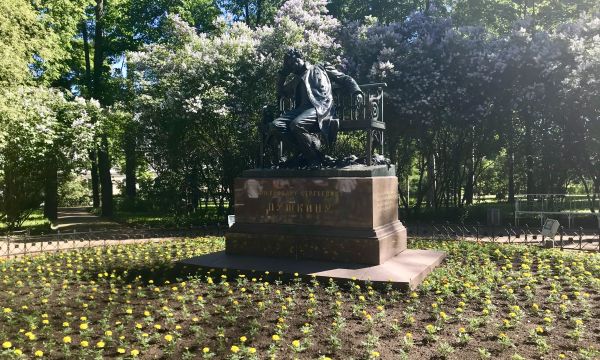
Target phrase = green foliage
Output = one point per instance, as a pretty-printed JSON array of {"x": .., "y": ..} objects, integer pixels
[
  {"x": 35, "y": 223},
  {"x": 36, "y": 39},
  {"x": 73, "y": 191},
  {"x": 38, "y": 127},
  {"x": 199, "y": 100},
  {"x": 253, "y": 12}
]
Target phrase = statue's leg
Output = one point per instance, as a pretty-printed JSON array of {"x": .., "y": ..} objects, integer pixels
[
  {"x": 280, "y": 130},
  {"x": 305, "y": 130}
]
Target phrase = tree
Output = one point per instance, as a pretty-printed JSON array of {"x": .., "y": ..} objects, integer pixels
[
  {"x": 582, "y": 91},
  {"x": 41, "y": 133},
  {"x": 199, "y": 98},
  {"x": 386, "y": 11},
  {"x": 254, "y": 13}
]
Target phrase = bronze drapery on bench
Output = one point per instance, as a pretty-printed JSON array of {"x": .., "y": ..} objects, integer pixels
[{"x": 367, "y": 116}]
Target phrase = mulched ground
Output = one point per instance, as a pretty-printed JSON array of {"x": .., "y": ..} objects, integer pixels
[{"x": 135, "y": 299}]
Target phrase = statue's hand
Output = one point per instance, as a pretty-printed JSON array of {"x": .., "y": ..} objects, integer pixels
[{"x": 358, "y": 98}]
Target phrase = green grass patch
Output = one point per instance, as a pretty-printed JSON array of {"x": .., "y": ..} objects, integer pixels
[{"x": 36, "y": 224}]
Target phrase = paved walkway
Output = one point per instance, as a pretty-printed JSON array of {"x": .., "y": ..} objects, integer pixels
[{"x": 80, "y": 219}]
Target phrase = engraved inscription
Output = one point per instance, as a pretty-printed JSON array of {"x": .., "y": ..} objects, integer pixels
[{"x": 386, "y": 201}]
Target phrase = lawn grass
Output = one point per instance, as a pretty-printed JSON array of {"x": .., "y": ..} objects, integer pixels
[
  {"x": 36, "y": 224},
  {"x": 484, "y": 301},
  {"x": 147, "y": 217}
]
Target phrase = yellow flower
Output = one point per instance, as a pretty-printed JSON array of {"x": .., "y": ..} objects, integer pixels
[
  {"x": 6, "y": 345},
  {"x": 134, "y": 352},
  {"x": 83, "y": 326},
  {"x": 39, "y": 353},
  {"x": 84, "y": 343},
  {"x": 251, "y": 350},
  {"x": 169, "y": 337},
  {"x": 67, "y": 340},
  {"x": 18, "y": 352},
  {"x": 205, "y": 350},
  {"x": 7, "y": 310},
  {"x": 276, "y": 337},
  {"x": 121, "y": 351},
  {"x": 296, "y": 343},
  {"x": 243, "y": 339},
  {"x": 100, "y": 344},
  {"x": 235, "y": 349},
  {"x": 157, "y": 326},
  {"x": 108, "y": 333}
]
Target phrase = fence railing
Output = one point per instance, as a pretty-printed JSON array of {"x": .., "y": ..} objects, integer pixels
[
  {"x": 565, "y": 239},
  {"x": 22, "y": 243}
]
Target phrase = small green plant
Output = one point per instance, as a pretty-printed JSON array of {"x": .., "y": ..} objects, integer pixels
[
  {"x": 445, "y": 349},
  {"x": 484, "y": 353}
]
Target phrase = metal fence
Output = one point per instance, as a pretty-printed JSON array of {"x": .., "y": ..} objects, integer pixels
[
  {"x": 565, "y": 239},
  {"x": 23, "y": 243}
]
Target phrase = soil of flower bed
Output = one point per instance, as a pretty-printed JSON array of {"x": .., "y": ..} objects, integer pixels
[{"x": 212, "y": 311}]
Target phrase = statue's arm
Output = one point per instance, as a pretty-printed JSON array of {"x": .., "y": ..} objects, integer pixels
[
  {"x": 345, "y": 82},
  {"x": 286, "y": 89}
]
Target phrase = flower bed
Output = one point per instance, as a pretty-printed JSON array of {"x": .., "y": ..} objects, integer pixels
[{"x": 134, "y": 301}]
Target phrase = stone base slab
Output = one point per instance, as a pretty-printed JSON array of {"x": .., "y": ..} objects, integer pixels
[
  {"x": 405, "y": 270},
  {"x": 367, "y": 246}
]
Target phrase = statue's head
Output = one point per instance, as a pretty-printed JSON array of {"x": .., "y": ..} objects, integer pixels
[{"x": 293, "y": 60}]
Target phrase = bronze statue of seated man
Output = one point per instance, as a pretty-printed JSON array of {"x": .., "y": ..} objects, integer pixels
[{"x": 311, "y": 89}]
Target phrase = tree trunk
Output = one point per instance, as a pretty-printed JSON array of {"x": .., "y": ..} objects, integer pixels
[
  {"x": 247, "y": 12},
  {"x": 89, "y": 89},
  {"x": 130, "y": 164},
  {"x": 194, "y": 190},
  {"x": 105, "y": 179},
  {"x": 51, "y": 190},
  {"x": 529, "y": 162},
  {"x": 511, "y": 173},
  {"x": 258, "y": 13},
  {"x": 98, "y": 51},
  {"x": 86, "y": 52},
  {"x": 95, "y": 181},
  {"x": 470, "y": 183},
  {"x": 98, "y": 87},
  {"x": 431, "y": 175}
]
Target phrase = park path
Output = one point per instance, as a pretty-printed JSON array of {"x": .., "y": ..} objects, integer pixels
[{"x": 80, "y": 219}]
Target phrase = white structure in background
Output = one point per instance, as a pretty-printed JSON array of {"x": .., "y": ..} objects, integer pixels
[
  {"x": 543, "y": 205},
  {"x": 118, "y": 179}
]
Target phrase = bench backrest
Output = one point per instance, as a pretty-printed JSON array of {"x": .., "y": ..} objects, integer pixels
[{"x": 367, "y": 115}]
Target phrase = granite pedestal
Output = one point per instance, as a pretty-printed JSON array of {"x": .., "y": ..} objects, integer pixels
[
  {"x": 338, "y": 223},
  {"x": 341, "y": 215}
]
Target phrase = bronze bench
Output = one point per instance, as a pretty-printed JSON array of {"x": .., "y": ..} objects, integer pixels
[{"x": 367, "y": 117}]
